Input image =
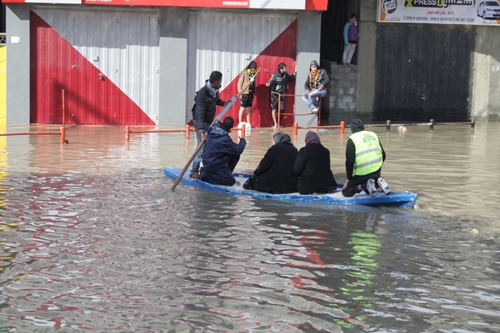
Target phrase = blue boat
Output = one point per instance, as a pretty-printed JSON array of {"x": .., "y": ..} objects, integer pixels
[{"x": 398, "y": 199}]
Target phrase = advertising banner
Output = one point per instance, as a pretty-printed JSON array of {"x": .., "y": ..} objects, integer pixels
[
  {"x": 242, "y": 4},
  {"x": 477, "y": 12},
  {"x": 68, "y": 2},
  {"x": 317, "y": 5}
]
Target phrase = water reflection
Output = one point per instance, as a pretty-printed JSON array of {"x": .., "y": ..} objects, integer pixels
[{"x": 93, "y": 239}]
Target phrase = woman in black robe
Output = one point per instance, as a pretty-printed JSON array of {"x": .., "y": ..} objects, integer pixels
[
  {"x": 274, "y": 174},
  {"x": 313, "y": 167}
]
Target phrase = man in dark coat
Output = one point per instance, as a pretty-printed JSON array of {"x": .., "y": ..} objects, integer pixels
[
  {"x": 221, "y": 154},
  {"x": 204, "y": 112},
  {"x": 313, "y": 167},
  {"x": 274, "y": 174}
]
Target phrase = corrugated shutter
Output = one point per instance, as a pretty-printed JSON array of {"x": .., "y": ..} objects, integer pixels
[
  {"x": 107, "y": 63},
  {"x": 228, "y": 41}
]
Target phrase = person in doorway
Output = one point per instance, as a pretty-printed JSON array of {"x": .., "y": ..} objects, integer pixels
[
  {"x": 315, "y": 86},
  {"x": 279, "y": 84},
  {"x": 274, "y": 174},
  {"x": 364, "y": 157},
  {"x": 313, "y": 167},
  {"x": 246, "y": 99},
  {"x": 351, "y": 36},
  {"x": 221, "y": 154},
  {"x": 203, "y": 110}
]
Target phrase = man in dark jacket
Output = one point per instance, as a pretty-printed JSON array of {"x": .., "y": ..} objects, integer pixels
[
  {"x": 316, "y": 85},
  {"x": 274, "y": 174},
  {"x": 204, "y": 112},
  {"x": 221, "y": 154},
  {"x": 313, "y": 167},
  {"x": 364, "y": 156},
  {"x": 279, "y": 84}
]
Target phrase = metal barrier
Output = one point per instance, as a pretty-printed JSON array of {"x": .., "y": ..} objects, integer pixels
[
  {"x": 62, "y": 133},
  {"x": 186, "y": 131},
  {"x": 296, "y": 127},
  {"x": 431, "y": 124},
  {"x": 296, "y": 114}
]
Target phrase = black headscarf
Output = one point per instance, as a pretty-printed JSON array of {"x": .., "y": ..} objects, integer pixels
[
  {"x": 357, "y": 125},
  {"x": 282, "y": 138}
]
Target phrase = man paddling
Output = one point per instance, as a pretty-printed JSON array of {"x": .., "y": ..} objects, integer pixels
[{"x": 204, "y": 112}]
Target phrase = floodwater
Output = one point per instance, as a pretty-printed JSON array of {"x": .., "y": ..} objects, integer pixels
[{"x": 92, "y": 239}]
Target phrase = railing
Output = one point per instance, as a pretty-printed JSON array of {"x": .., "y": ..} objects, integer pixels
[
  {"x": 186, "y": 131},
  {"x": 297, "y": 114},
  {"x": 61, "y": 133}
]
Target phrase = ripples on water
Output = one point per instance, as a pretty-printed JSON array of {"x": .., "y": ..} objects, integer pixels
[{"x": 103, "y": 251}]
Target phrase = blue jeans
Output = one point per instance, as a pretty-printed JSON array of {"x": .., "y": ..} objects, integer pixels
[
  {"x": 197, "y": 158},
  {"x": 312, "y": 97}
]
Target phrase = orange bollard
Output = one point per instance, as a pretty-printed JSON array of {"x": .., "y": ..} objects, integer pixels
[
  {"x": 63, "y": 107},
  {"x": 242, "y": 129},
  {"x": 295, "y": 128},
  {"x": 342, "y": 127},
  {"x": 186, "y": 135},
  {"x": 127, "y": 133},
  {"x": 62, "y": 137}
]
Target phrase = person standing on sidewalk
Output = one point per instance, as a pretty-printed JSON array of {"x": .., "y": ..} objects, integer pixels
[{"x": 351, "y": 36}]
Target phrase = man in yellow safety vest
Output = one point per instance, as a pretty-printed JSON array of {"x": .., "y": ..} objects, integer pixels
[{"x": 364, "y": 157}]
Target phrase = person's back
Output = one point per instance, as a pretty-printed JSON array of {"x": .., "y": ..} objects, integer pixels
[
  {"x": 221, "y": 154},
  {"x": 274, "y": 173},
  {"x": 364, "y": 158},
  {"x": 313, "y": 166}
]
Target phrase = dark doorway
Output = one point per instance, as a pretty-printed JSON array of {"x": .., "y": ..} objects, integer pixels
[{"x": 332, "y": 25}]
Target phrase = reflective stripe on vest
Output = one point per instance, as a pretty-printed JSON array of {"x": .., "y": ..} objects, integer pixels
[{"x": 369, "y": 156}]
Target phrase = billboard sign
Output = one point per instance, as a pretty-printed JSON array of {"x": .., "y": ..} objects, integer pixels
[
  {"x": 476, "y": 12},
  {"x": 242, "y": 4}
]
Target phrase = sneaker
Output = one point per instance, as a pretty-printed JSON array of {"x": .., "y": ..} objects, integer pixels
[
  {"x": 371, "y": 189},
  {"x": 314, "y": 110},
  {"x": 194, "y": 175},
  {"x": 383, "y": 185}
]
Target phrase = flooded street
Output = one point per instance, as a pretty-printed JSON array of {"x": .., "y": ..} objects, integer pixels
[{"x": 92, "y": 239}]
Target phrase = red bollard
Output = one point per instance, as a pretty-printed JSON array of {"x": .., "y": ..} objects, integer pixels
[
  {"x": 127, "y": 133},
  {"x": 342, "y": 127},
  {"x": 295, "y": 128},
  {"x": 186, "y": 135},
  {"x": 242, "y": 129}
]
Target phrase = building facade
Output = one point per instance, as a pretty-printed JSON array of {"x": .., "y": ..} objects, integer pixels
[{"x": 141, "y": 62}]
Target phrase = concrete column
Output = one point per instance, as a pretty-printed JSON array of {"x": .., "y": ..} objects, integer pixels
[
  {"x": 366, "y": 56},
  {"x": 18, "y": 64},
  {"x": 173, "y": 66},
  {"x": 308, "y": 48}
]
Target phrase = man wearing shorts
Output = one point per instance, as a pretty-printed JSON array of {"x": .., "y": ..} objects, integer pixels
[{"x": 246, "y": 99}]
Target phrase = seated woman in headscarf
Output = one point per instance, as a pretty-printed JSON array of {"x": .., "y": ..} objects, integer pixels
[
  {"x": 313, "y": 167},
  {"x": 274, "y": 174}
]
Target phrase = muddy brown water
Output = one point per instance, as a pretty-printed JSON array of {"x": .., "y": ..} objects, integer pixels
[{"x": 92, "y": 239}]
